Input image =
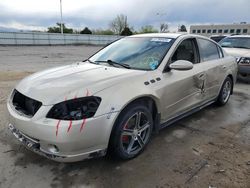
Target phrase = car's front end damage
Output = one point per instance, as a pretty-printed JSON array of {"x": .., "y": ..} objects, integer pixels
[
  {"x": 65, "y": 114},
  {"x": 60, "y": 140}
]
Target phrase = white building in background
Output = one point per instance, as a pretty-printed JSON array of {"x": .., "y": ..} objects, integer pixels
[{"x": 242, "y": 28}]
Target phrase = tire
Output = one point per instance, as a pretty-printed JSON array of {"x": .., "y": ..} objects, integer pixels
[
  {"x": 225, "y": 92},
  {"x": 245, "y": 78},
  {"x": 132, "y": 132}
]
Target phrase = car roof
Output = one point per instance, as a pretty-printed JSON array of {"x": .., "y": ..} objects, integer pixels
[
  {"x": 171, "y": 35},
  {"x": 167, "y": 35}
]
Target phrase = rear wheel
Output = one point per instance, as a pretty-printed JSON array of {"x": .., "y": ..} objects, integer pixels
[
  {"x": 132, "y": 131},
  {"x": 225, "y": 92}
]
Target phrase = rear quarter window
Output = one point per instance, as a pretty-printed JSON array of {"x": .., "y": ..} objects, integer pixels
[{"x": 208, "y": 50}]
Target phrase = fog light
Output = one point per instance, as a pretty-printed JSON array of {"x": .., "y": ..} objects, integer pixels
[{"x": 53, "y": 148}]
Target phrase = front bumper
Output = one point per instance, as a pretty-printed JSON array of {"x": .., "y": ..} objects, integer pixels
[
  {"x": 244, "y": 73},
  {"x": 34, "y": 146},
  {"x": 45, "y": 137}
]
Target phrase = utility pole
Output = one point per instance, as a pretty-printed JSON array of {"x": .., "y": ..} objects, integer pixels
[{"x": 61, "y": 17}]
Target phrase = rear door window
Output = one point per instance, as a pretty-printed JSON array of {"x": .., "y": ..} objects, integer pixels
[{"x": 208, "y": 50}]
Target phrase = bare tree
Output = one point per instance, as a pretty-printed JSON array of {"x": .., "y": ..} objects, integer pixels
[
  {"x": 163, "y": 28},
  {"x": 119, "y": 24}
]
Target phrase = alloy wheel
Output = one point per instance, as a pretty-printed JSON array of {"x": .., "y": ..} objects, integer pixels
[
  {"x": 226, "y": 91},
  {"x": 135, "y": 133}
]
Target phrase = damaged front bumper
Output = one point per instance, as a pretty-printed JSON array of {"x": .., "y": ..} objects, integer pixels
[
  {"x": 53, "y": 138},
  {"x": 34, "y": 145}
]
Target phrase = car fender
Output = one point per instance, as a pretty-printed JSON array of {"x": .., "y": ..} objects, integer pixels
[{"x": 116, "y": 98}]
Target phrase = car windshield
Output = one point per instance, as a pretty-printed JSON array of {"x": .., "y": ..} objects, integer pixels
[
  {"x": 235, "y": 42},
  {"x": 143, "y": 53}
]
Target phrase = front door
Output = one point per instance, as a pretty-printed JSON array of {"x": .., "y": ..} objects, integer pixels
[{"x": 183, "y": 89}]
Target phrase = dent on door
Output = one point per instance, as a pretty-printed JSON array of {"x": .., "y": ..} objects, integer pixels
[
  {"x": 200, "y": 82},
  {"x": 214, "y": 74},
  {"x": 184, "y": 90}
]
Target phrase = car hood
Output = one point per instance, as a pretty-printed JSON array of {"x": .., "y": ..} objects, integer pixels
[
  {"x": 238, "y": 52},
  {"x": 72, "y": 81}
]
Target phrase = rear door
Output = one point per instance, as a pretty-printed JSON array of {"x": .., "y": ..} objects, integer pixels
[{"x": 214, "y": 67}]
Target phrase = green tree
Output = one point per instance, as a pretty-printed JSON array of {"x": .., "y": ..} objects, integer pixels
[
  {"x": 126, "y": 32},
  {"x": 103, "y": 32},
  {"x": 182, "y": 28},
  {"x": 148, "y": 29},
  {"x": 86, "y": 30},
  {"x": 57, "y": 29}
]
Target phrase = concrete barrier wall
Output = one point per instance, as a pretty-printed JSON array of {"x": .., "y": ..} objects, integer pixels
[{"x": 36, "y": 38}]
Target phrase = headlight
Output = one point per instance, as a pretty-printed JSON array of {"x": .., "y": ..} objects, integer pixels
[
  {"x": 244, "y": 61},
  {"x": 237, "y": 59},
  {"x": 75, "y": 109}
]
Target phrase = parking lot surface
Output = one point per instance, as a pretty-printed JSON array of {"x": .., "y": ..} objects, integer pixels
[{"x": 210, "y": 148}]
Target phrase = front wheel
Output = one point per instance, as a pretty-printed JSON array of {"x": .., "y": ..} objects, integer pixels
[
  {"x": 132, "y": 131},
  {"x": 225, "y": 92}
]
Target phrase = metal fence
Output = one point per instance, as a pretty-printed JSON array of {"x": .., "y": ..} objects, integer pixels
[{"x": 37, "y": 38}]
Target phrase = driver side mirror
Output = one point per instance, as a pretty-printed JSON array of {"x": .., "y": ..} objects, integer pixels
[{"x": 181, "y": 65}]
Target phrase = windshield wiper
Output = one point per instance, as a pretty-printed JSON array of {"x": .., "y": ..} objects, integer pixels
[
  {"x": 113, "y": 63},
  {"x": 88, "y": 61}
]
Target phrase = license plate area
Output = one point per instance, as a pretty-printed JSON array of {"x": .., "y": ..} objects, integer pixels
[{"x": 24, "y": 139}]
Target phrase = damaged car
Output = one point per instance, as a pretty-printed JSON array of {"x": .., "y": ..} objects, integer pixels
[{"x": 113, "y": 101}]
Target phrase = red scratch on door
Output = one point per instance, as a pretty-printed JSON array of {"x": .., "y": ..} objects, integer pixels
[
  {"x": 57, "y": 127},
  {"x": 83, "y": 123},
  {"x": 70, "y": 125}
]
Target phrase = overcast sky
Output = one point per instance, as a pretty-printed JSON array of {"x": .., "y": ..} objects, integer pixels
[{"x": 39, "y": 14}]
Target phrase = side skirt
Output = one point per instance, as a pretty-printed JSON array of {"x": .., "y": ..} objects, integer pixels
[{"x": 183, "y": 115}]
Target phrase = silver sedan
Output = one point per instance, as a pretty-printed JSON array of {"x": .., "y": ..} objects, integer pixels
[{"x": 113, "y": 101}]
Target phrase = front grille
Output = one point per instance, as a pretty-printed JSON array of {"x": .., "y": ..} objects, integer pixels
[{"x": 24, "y": 104}]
